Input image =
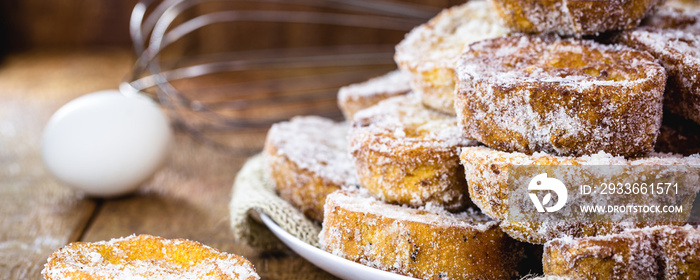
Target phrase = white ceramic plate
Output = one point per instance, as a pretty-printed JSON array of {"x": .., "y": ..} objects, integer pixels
[{"x": 333, "y": 264}]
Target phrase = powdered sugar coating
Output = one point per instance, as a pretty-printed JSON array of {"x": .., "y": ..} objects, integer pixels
[
  {"x": 661, "y": 252},
  {"x": 355, "y": 97},
  {"x": 307, "y": 158},
  {"x": 679, "y": 52},
  {"x": 427, "y": 243},
  {"x": 362, "y": 202},
  {"x": 565, "y": 96},
  {"x": 680, "y": 255},
  {"x": 487, "y": 170},
  {"x": 145, "y": 257},
  {"x": 408, "y": 154},
  {"x": 405, "y": 120},
  {"x": 430, "y": 51},
  {"x": 581, "y": 17},
  {"x": 439, "y": 42},
  {"x": 316, "y": 144},
  {"x": 687, "y": 5},
  {"x": 628, "y": 255},
  {"x": 675, "y": 18}
]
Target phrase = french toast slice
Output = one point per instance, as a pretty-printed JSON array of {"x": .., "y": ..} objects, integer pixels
[
  {"x": 679, "y": 52},
  {"x": 430, "y": 51},
  {"x": 145, "y": 257},
  {"x": 426, "y": 243},
  {"x": 306, "y": 158},
  {"x": 567, "y": 97},
  {"x": 662, "y": 252},
  {"x": 581, "y": 17},
  {"x": 355, "y": 97},
  {"x": 487, "y": 172},
  {"x": 408, "y": 154}
]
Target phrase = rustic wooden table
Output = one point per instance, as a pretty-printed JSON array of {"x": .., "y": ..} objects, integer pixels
[{"x": 188, "y": 198}]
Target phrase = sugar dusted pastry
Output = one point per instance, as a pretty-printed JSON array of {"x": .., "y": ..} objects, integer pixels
[
  {"x": 563, "y": 96},
  {"x": 145, "y": 257},
  {"x": 627, "y": 255},
  {"x": 663, "y": 252},
  {"x": 355, "y": 97},
  {"x": 426, "y": 243},
  {"x": 581, "y": 17},
  {"x": 307, "y": 158},
  {"x": 679, "y": 52},
  {"x": 687, "y": 5},
  {"x": 487, "y": 172},
  {"x": 675, "y": 18},
  {"x": 429, "y": 52},
  {"x": 408, "y": 154}
]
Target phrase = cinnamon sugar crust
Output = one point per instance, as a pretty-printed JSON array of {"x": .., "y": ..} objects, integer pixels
[
  {"x": 662, "y": 252},
  {"x": 679, "y": 52},
  {"x": 581, "y": 17},
  {"x": 563, "y": 96}
]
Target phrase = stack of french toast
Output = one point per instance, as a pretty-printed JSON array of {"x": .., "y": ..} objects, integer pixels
[{"x": 415, "y": 180}]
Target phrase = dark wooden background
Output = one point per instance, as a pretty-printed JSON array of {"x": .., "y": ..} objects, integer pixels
[{"x": 77, "y": 24}]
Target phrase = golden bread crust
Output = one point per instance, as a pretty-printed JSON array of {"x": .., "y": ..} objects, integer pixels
[
  {"x": 486, "y": 172},
  {"x": 306, "y": 159},
  {"x": 145, "y": 257},
  {"x": 581, "y": 17},
  {"x": 408, "y": 154},
  {"x": 564, "y": 96},
  {"x": 602, "y": 258},
  {"x": 422, "y": 243},
  {"x": 675, "y": 18},
  {"x": 429, "y": 52},
  {"x": 680, "y": 251},
  {"x": 355, "y": 97},
  {"x": 663, "y": 252},
  {"x": 679, "y": 52}
]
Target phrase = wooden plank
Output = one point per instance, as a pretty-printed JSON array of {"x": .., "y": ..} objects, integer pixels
[{"x": 37, "y": 214}]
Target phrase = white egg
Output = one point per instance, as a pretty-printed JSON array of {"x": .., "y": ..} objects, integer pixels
[{"x": 106, "y": 143}]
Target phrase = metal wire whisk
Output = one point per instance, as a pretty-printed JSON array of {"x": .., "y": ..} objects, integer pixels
[{"x": 206, "y": 111}]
